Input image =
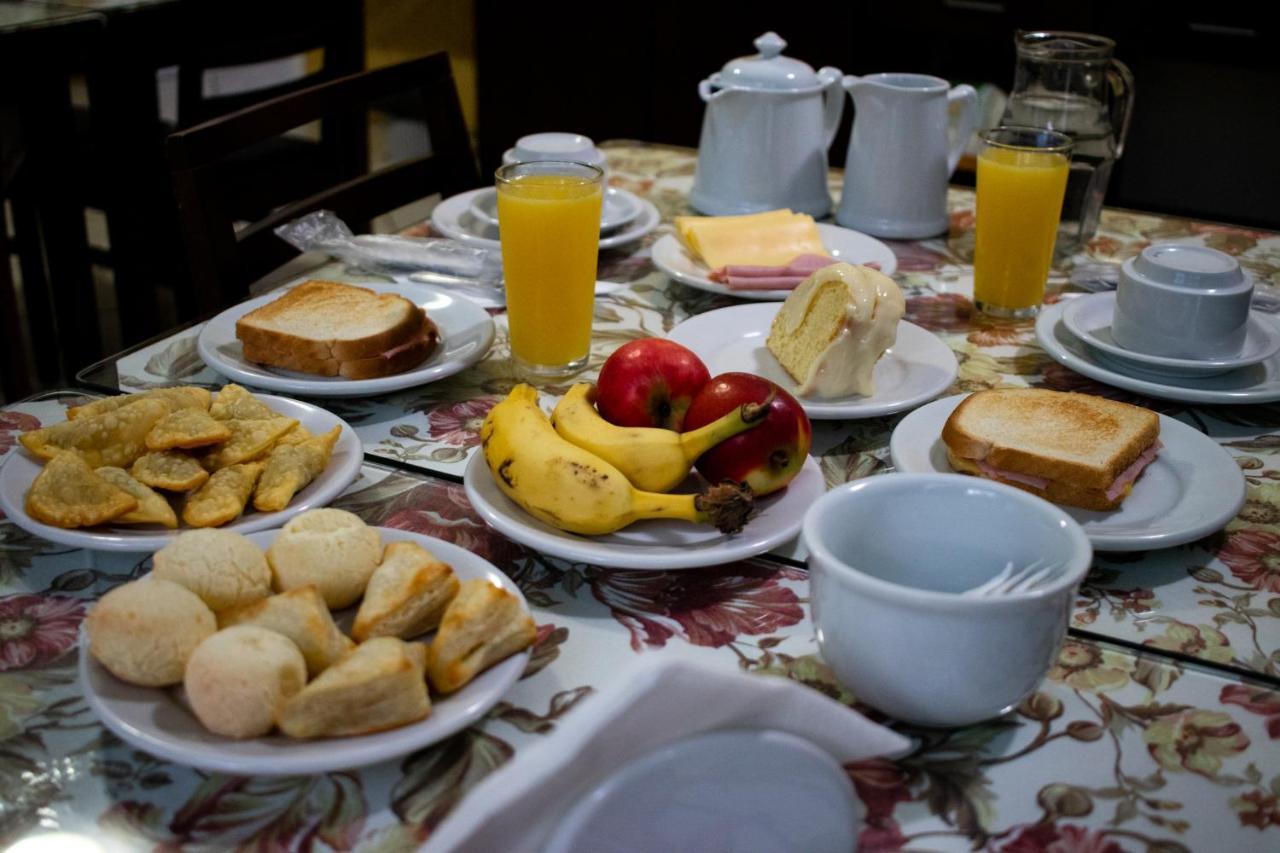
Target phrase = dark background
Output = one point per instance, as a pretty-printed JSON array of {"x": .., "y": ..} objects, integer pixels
[{"x": 1205, "y": 134}]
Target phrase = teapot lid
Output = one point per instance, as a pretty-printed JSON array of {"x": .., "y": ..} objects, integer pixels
[{"x": 768, "y": 69}]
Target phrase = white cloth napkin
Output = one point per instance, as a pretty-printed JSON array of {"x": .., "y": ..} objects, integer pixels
[{"x": 518, "y": 806}]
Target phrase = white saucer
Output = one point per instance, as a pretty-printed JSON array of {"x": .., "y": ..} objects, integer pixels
[
  {"x": 466, "y": 332},
  {"x": 1258, "y": 383},
  {"x": 654, "y": 544},
  {"x": 844, "y": 244},
  {"x": 917, "y": 368},
  {"x": 1089, "y": 319},
  {"x": 619, "y": 208},
  {"x": 452, "y": 218},
  {"x": 156, "y": 721},
  {"x": 20, "y": 470},
  {"x": 736, "y": 791},
  {"x": 1192, "y": 489}
]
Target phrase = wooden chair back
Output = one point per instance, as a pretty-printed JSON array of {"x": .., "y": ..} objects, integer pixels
[{"x": 225, "y": 260}]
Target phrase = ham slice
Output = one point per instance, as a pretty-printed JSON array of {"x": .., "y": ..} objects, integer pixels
[
  {"x": 748, "y": 277},
  {"x": 1128, "y": 475}
]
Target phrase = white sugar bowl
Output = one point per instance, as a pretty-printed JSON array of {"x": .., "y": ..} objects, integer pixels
[
  {"x": 554, "y": 146},
  {"x": 1181, "y": 301}
]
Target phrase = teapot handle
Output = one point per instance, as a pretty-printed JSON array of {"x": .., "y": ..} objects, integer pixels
[
  {"x": 833, "y": 103},
  {"x": 965, "y": 122},
  {"x": 1121, "y": 80}
]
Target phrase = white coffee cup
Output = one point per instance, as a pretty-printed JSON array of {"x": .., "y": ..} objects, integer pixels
[
  {"x": 1182, "y": 301},
  {"x": 889, "y": 557},
  {"x": 555, "y": 146}
]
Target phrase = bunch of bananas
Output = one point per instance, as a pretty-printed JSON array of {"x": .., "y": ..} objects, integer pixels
[{"x": 580, "y": 473}]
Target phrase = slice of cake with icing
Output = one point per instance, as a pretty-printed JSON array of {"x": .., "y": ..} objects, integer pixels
[{"x": 834, "y": 327}]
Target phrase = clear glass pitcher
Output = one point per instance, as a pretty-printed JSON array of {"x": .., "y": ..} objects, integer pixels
[{"x": 1070, "y": 82}]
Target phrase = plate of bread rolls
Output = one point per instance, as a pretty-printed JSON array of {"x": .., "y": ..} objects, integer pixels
[{"x": 323, "y": 645}]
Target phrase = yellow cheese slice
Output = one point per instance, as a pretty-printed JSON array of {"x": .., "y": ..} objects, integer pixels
[{"x": 772, "y": 238}]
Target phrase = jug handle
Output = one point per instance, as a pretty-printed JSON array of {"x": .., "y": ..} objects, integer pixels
[
  {"x": 1121, "y": 80},
  {"x": 707, "y": 93},
  {"x": 965, "y": 122},
  {"x": 833, "y": 103}
]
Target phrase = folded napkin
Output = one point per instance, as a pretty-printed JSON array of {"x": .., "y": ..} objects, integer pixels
[
  {"x": 517, "y": 807},
  {"x": 751, "y": 277}
]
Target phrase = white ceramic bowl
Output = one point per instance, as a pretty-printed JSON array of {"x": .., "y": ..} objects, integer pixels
[
  {"x": 889, "y": 557},
  {"x": 555, "y": 146},
  {"x": 1179, "y": 301}
]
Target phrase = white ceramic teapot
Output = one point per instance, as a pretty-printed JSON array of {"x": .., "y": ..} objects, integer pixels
[{"x": 768, "y": 124}]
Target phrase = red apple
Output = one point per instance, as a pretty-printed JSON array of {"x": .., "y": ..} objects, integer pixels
[
  {"x": 649, "y": 383},
  {"x": 765, "y": 457}
]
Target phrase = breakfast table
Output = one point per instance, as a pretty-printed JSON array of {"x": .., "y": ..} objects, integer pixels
[{"x": 1157, "y": 728}]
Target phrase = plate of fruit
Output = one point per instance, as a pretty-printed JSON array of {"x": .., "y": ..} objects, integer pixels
[{"x": 659, "y": 466}]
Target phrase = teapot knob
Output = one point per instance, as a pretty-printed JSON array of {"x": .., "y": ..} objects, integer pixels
[{"x": 770, "y": 44}]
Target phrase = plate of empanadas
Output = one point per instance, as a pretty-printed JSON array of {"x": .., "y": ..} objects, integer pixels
[
  {"x": 323, "y": 645},
  {"x": 127, "y": 473}
]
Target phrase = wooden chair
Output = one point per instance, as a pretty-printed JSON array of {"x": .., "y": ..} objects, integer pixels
[{"x": 224, "y": 261}]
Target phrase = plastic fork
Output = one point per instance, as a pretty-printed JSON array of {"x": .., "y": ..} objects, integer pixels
[{"x": 1009, "y": 581}]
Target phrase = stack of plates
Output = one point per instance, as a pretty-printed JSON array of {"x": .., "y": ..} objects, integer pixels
[
  {"x": 472, "y": 217},
  {"x": 1077, "y": 333}
]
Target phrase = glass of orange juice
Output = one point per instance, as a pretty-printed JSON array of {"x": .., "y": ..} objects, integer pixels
[
  {"x": 549, "y": 226},
  {"x": 1022, "y": 177}
]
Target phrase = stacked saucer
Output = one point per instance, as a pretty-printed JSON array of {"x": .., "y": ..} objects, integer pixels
[{"x": 472, "y": 217}]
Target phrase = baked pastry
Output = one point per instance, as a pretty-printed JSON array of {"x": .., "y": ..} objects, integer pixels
[
  {"x": 330, "y": 548},
  {"x": 299, "y": 614},
  {"x": 833, "y": 328},
  {"x": 482, "y": 625},
  {"x": 222, "y": 567},
  {"x": 378, "y": 686},
  {"x": 407, "y": 594},
  {"x": 239, "y": 679},
  {"x": 144, "y": 631}
]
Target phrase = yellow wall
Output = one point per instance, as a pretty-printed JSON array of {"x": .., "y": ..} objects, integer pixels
[{"x": 396, "y": 30}]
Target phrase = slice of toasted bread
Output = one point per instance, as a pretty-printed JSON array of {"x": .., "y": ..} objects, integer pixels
[
  {"x": 1054, "y": 491},
  {"x": 319, "y": 326},
  {"x": 1078, "y": 441}
]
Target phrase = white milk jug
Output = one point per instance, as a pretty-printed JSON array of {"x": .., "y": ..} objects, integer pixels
[
  {"x": 768, "y": 123},
  {"x": 901, "y": 153}
]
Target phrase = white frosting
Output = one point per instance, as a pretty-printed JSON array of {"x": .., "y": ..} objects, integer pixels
[{"x": 873, "y": 309}]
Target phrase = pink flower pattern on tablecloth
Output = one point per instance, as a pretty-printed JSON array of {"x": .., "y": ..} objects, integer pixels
[
  {"x": 37, "y": 629},
  {"x": 1060, "y": 838},
  {"x": 1256, "y": 700},
  {"x": 1254, "y": 558},
  {"x": 458, "y": 424},
  {"x": 12, "y": 424},
  {"x": 443, "y": 511},
  {"x": 706, "y": 607}
]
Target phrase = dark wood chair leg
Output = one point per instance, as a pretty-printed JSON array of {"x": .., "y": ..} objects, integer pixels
[
  {"x": 13, "y": 372},
  {"x": 36, "y": 295}
]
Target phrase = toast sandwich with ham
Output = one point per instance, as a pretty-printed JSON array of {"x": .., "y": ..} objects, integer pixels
[
  {"x": 333, "y": 329},
  {"x": 1072, "y": 449}
]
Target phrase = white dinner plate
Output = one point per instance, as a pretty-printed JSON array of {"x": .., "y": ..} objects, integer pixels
[
  {"x": 452, "y": 218},
  {"x": 843, "y": 244},
  {"x": 747, "y": 789},
  {"x": 157, "y": 720},
  {"x": 652, "y": 544},
  {"x": 1089, "y": 319},
  {"x": 466, "y": 332},
  {"x": 618, "y": 208},
  {"x": 917, "y": 368},
  {"x": 1258, "y": 383},
  {"x": 21, "y": 468},
  {"x": 1192, "y": 489}
]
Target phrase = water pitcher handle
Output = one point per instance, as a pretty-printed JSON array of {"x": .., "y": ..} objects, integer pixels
[
  {"x": 965, "y": 122},
  {"x": 1121, "y": 80},
  {"x": 833, "y": 103}
]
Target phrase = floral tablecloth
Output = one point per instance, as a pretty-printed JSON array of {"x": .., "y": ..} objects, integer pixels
[{"x": 1156, "y": 729}]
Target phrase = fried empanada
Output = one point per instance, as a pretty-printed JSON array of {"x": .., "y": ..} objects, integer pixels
[
  {"x": 223, "y": 498},
  {"x": 187, "y": 428},
  {"x": 482, "y": 625},
  {"x": 152, "y": 508},
  {"x": 297, "y": 435},
  {"x": 249, "y": 440},
  {"x": 302, "y": 616},
  {"x": 378, "y": 686},
  {"x": 236, "y": 403},
  {"x": 184, "y": 397},
  {"x": 169, "y": 470},
  {"x": 407, "y": 594},
  {"x": 111, "y": 438},
  {"x": 291, "y": 467},
  {"x": 66, "y": 493}
]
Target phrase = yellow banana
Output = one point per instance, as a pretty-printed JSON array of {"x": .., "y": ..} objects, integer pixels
[
  {"x": 656, "y": 460},
  {"x": 572, "y": 489}
]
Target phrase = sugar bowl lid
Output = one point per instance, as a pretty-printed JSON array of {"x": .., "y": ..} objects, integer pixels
[{"x": 768, "y": 69}]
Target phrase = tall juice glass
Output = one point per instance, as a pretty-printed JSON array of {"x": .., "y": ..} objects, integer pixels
[
  {"x": 549, "y": 225},
  {"x": 1022, "y": 177}
]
